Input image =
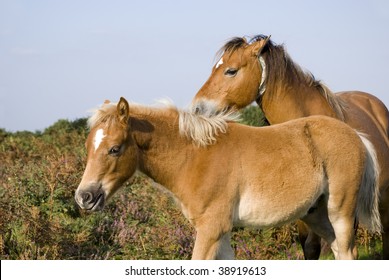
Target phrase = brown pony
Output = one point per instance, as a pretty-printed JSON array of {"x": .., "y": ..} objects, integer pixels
[
  {"x": 258, "y": 70},
  {"x": 223, "y": 174}
]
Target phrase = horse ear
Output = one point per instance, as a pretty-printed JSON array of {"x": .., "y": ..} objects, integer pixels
[
  {"x": 123, "y": 110},
  {"x": 259, "y": 45}
]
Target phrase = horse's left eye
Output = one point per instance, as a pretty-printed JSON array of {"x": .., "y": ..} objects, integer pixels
[
  {"x": 231, "y": 72},
  {"x": 115, "y": 150}
]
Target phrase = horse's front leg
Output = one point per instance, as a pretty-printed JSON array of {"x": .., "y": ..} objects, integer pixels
[
  {"x": 212, "y": 243},
  {"x": 225, "y": 251}
]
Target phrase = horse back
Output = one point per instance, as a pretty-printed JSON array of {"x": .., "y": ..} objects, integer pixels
[{"x": 365, "y": 110}]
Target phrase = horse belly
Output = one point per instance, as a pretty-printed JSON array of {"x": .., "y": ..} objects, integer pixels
[{"x": 259, "y": 212}]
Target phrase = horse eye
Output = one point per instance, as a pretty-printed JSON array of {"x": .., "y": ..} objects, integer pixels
[
  {"x": 231, "y": 72},
  {"x": 115, "y": 150}
]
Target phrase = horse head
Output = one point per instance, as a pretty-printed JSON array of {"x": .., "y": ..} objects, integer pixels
[
  {"x": 112, "y": 156},
  {"x": 237, "y": 79}
]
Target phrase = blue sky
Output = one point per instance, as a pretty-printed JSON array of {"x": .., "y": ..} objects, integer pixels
[{"x": 58, "y": 59}]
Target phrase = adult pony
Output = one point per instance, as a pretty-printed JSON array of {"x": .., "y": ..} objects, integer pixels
[
  {"x": 258, "y": 70},
  {"x": 224, "y": 174}
]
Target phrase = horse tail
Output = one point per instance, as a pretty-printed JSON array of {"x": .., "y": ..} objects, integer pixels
[{"x": 368, "y": 197}]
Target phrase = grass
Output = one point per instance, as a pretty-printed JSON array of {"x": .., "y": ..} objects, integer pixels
[{"x": 39, "y": 173}]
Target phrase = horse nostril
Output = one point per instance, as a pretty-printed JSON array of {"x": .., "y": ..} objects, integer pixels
[{"x": 86, "y": 197}]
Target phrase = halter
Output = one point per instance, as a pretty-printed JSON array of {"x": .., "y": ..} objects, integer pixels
[{"x": 262, "y": 86}]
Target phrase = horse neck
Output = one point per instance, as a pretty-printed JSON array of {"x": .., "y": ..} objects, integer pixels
[
  {"x": 161, "y": 149},
  {"x": 287, "y": 99},
  {"x": 291, "y": 92},
  {"x": 286, "y": 103}
]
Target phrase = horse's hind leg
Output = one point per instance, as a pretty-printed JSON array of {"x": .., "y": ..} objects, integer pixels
[
  {"x": 333, "y": 228},
  {"x": 384, "y": 212},
  {"x": 344, "y": 232},
  {"x": 310, "y": 242},
  {"x": 385, "y": 243},
  {"x": 337, "y": 236},
  {"x": 319, "y": 223},
  {"x": 342, "y": 218}
]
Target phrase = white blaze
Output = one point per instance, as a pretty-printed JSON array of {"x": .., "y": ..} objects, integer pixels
[
  {"x": 220, "y": 62},
  {"x": 98, "y": 138}
]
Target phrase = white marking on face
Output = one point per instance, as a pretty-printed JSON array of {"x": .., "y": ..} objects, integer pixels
[
  {"x": 220, "y": 62},
  {"x": 98, "y": 138}
]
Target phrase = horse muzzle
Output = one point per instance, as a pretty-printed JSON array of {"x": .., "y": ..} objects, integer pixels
[{"x": 90, "y": 199}]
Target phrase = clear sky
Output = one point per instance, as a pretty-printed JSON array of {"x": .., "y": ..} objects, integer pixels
[{"x": 58, "y": 59}]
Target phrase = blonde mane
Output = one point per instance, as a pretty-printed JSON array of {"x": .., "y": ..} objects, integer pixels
[{"x": 202, "y": 130}]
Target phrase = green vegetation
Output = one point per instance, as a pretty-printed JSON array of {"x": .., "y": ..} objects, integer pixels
[{"x": 39, "y": 219}]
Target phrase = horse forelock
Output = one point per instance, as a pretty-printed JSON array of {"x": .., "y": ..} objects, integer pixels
[
  {"x": 236, "y": 43},
  {"x": 104, "y": 114},
  {"x": 231, "y": 46}
]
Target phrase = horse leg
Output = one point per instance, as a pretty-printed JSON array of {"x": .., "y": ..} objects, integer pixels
[
  {"x": 385, "y": 243},
  {"x": 384, "y": 212},
  {"x": 355, "y": 249},
  {"x": 341, "y": 210},
  {"x": 310, "y": 242},
  {"x": 344, "y": 232},
  {"x": 225, "y": 251},
  {"x": 339, "y": 234},
  {"x": 337, "y": 230},
  {"x": 319, "y": 223},
  {"x": 212, "y": 243}
]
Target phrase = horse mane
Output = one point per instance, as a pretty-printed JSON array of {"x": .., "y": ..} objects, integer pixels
[
  {"x": 202, "y": 130},
  {"x": 280, "y": 67}
]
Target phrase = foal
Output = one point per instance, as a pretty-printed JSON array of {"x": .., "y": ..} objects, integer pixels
[{"x": 224, "y": 174}]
